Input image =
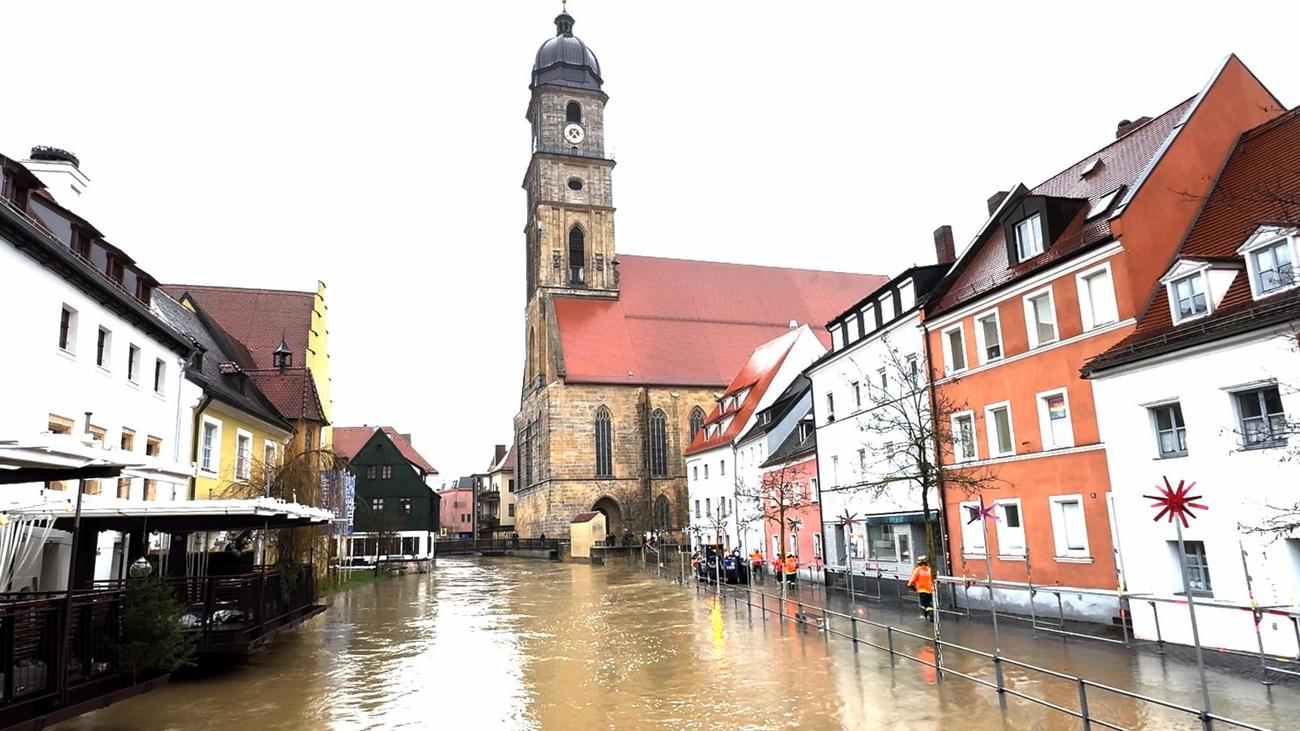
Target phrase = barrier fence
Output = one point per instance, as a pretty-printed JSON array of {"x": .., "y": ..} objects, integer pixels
[{"x": 859, "y": 629}]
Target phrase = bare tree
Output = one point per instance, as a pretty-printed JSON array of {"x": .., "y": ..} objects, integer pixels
[
  {"x": 384, "y": 525},
  {"x": 902, "y": 433},
  {"x": 634, "y": 510},
  {"x": 778, "y": 498}
]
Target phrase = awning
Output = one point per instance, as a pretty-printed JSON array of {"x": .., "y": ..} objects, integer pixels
[
  {"x": 181, "y": 516},
  {"x": 56, "y": 457},
  {"x": 897, "y": 518}
]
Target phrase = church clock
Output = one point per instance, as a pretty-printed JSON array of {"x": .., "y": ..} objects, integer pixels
[{"x": 574, "y": 133}]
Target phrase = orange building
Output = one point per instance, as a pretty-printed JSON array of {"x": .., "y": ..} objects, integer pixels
[{"x": 1057, "y": 275}]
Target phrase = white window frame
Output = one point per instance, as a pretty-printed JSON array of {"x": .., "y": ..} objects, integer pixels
[
  {"x": 1153, "y": 419},
  {"x": 1003, "y": 530},
  {"x": 104, "y": 363},
  {"x": 1040, "y": 242},
  {"x": 1266, "y": 238},
  {"x": 1031, "y": 329},
  {"x": 990, "y": 429},
  {"x": 857, "y": 395},
  {"x": 74, "y": 319},
  {"x": 956, "y": 438},
  {"x": 948, "y": 366},
  {"x": 981, "y": 345},
  {"x": 1044, "y": 420},
  {"x": 243, "y": 460},
  {"x": 134, "y": 359},
  {"x": 1172, "y": 293},
  {"x": 214, "y": 465},
  {"x": 1056, "y": 504},
  {"x": 1086, "y": 305},
  {"x": 972, "y": 534}
]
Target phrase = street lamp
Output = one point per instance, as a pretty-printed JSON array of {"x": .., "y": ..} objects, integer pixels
[{"x": 140, "y": 568}]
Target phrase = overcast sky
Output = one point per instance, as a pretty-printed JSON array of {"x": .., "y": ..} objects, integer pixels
[{"x": 380, "y": 147}]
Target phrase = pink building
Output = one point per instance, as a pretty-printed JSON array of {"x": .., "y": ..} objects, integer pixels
[
  {"x": 792, "y": 503},
  {"x": 456, "y": 510}
]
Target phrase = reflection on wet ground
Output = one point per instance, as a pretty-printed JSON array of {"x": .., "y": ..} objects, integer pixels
[{"x": 523, "y": 644}]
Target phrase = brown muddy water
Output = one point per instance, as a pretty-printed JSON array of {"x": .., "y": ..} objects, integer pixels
[{"x": 498, "y": 643}]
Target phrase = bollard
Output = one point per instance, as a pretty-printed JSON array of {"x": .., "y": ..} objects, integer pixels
[
  {"x": 1083, "y": 705},
  {"x": 853, "y": 620},
  {"x": 1033, "y": 616},
  {"x": 1060, "y": 616},
  {"x": 889, "y": 634},
  {"x": 997, "y": 671}
]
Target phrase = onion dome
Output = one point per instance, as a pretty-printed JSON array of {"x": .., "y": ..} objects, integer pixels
[{"x": 565, "y": 60}]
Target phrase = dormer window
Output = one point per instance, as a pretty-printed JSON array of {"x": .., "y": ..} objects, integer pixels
[
  {"x": 1188, "y": 297},
  {"x": 1029, "y": 237},
  {"x": 1272, "y": 266}
]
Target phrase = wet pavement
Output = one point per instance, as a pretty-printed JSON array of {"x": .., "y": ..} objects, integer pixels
[{"x": 492, "y": 643}]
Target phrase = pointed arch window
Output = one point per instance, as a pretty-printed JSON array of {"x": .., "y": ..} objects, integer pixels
[
  {"x": 663, "y": 513},
  {"x": 577, "y": 254},
  {"x": 697, "y": 421},
  {"x": 658, "y": 443},
  {"x": 604, "y": 443},
  {"x": 530, "y": 367},
  {"x": 573, "y": 113}
]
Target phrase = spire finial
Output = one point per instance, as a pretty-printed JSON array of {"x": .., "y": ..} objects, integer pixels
[{"x": 564, "y": 21}]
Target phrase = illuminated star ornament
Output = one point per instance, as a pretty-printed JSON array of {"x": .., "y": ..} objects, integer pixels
[
  {"x": 1175, "y": 502},
  {"x": 985, "y": 512}
]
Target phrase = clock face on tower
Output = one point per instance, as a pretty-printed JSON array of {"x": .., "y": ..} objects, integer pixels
[{"x": 573, "y": 134}]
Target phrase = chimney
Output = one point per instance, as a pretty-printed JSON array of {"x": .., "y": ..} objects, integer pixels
[
  {"x": 996, "y": 199},
  {"x": 500, "y": 454},
  {"x": 60, "y": 171},
  {"x": 1128, "y": 125},
  {"x": 944, "y": 250},
  {"x": 794, "y": 324}
]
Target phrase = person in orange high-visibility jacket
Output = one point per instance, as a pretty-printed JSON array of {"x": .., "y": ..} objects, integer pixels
[
  {"x": 791, "y": 568},
  {"x": 923, "y": 582},
  {"x": 756, "y": 565}
]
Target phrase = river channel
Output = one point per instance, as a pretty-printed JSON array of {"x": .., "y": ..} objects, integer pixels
[{"x": 526, "y": 644}]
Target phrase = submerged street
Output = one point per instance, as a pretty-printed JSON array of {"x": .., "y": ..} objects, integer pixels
[{"x": 517, "y": 643}]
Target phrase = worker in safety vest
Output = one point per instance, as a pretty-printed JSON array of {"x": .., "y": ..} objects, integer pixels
[
  {"x": 923, "y": 582},
  {"x": 756, "y": 564},
  {"x": 791, "y": 568}
]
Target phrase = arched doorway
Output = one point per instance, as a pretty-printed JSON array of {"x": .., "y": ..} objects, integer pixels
[{"x": 613, "y": 514}]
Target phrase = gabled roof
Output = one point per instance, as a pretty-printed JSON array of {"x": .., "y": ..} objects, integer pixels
[
  {"x": 292, "y": 390},
  {"x": 794, "y": 447},
  {"x": 1258, "y": 186},
  {"x": 505, "y": 464},
  {"x": 230, "y": 386},
  {"x": 258, "y": 318},
  {"x": 693, "y": 323},
  {"x": 780, "y": 408},
  {"x": 349, "y": 440},
  {"x": 984, "y": 266},
  {"x": 752, "y": 380}
]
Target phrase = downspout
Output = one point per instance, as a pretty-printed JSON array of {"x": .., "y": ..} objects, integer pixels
[
  {"x": 194, "y": 441},
  {"x": 176, "y": 446}
]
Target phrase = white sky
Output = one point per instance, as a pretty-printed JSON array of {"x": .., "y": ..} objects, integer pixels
[{"x": 380, "y": 147}]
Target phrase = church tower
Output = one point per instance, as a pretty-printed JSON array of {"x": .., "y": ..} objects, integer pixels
[{"x": 569, "y": 233}]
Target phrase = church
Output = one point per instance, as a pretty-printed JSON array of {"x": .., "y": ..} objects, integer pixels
[{"x": 625, "y": 355}]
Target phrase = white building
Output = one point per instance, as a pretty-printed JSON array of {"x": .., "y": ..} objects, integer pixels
[
  {"x": 93, "y": 378},
  {"x": 711, "y": 478},
  {"x": 875, "y": 345},
  {"x": 772, "y": 425},
  {"x": 1205, "y": 392}
]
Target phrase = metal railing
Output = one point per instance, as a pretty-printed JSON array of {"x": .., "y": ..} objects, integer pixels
[{"x": 470, "y": 545}]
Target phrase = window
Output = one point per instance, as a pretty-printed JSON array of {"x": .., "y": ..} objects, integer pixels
[
  {"x": 912, "y": 369},
  {"x": 830, "y": 406},
  {"x": 1069, "y": 530},
  {"x": 963, "y": 437},
  {"x": 372, "y": 472},
  {"x": 133, "y": 364},
  {"x": 1096, "y": 297},
  {"x": 308, "y": 439},
  {"x": 575, "y": 183},
  {"x": 1011, "y": 532},
  {"x": 1029, "y": 238},
  {"x": 1171, "y": 432},
  {"x": 103, "y": 348},
  {"x": 817, "y": 546},
  {"x": 270, "y": 460},
  {"x": 706, "y": 471},
  {"x": 658, "y": 443},
  {"x": 153, "y": 446},
  {"x": 1054, "y": 419},
  {"x": 1040, "y": 318},
  {"x": 386, "y": 472},
  {"x": 377, "y": 504},
  {"x": 1189, "y": 297},
  {"x": 695, "y": 472},
  {"x": 210, "y": 446},
  {"x": 124, "y": 487},
  {"x": 904, "y": 542},
  {"x": 697, "y": 508},
  {"x": 862, "y": 461},
  {"x": 884, "y": 381},
  {"x": 880, "y": 542},
  {"x": 812, "y": 488},
  {"x": 972, "y": 532},
  {"x": 1271, "y": 267},
  {"x": 697, "y": 421},
  {"x": 243, "y": 455},
  {"x": 988, "y": 337},
  {"x": 1262, "y": 419},
  {"x": 1103, "y": 203},
  {"x": 997, "y": 421},
  {"x": 708, "y": 507},
  {"x": 577, "y": 255},
  {"x": 722, "y": 468},
  {"x": 954, "y": 350},
  {"x": 159, "y": 375},
  {"x": 573, "y": 113},
  {"x": 856, "y": 387},
  {"x": 604, "y": 443},
  {"x": 510, "y": 510},
  {"x": 150, "y": 489},
  {"x": 128, "y": 440},
  {"x": 835, "y": 470},
  {"x": 510, "y": 486},
  {"x": 1198, "y": 567},
  {"x": 406, "y": 505},
  {"x": 68, "y": 329}
]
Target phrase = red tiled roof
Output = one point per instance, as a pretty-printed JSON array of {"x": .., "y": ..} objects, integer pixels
[
  {"x": 258, "y": 318},
  {"x": 756, "y": 375},
  {"x": 682, "y": 322},
  {"x": 1121, "y": 163},
  {"x": 1258, "y": 186},
  {"x": 348, "y": 441},
  {"x": 292, "y": 391}
]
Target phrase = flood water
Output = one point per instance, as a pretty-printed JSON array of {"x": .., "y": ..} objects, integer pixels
[{"x": 487, "y": 643}]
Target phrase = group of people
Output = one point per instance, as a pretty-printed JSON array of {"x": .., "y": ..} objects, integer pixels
[{"x": 731, "y": 568}]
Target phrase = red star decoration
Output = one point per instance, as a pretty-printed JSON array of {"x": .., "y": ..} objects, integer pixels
[
  {"x": 984, "y": 512},
  {"x": 1175, "y": 502}
]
